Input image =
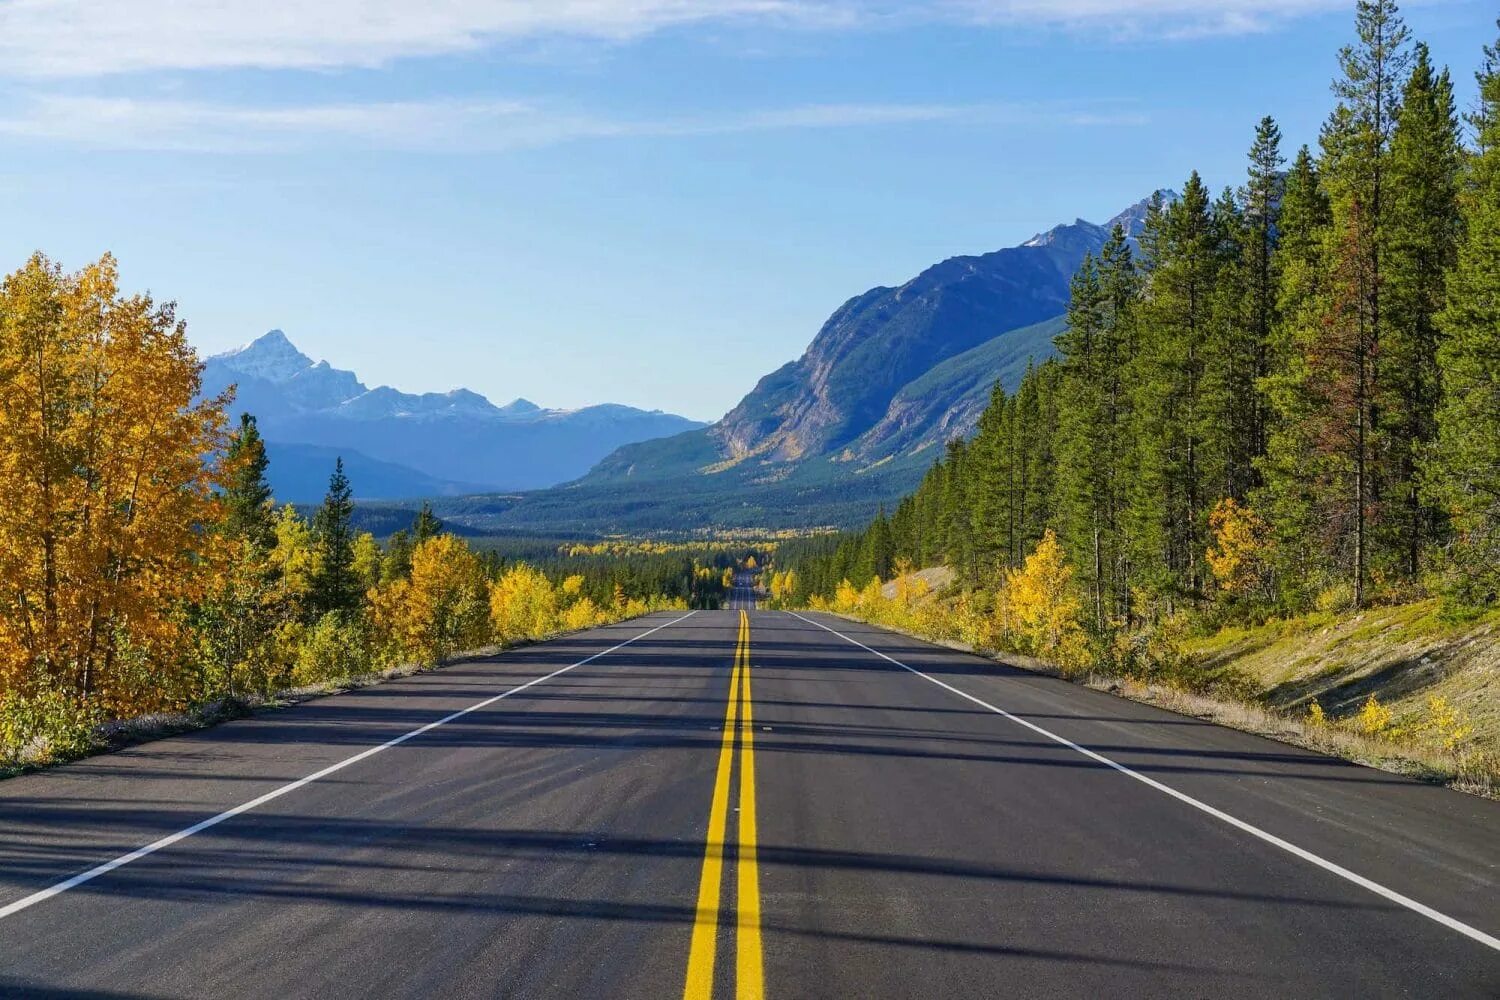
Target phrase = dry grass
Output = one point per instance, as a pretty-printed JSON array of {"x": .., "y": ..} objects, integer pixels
[{"x": 1403, "y": 654}]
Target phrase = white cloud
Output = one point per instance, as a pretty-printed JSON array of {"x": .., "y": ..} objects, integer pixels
[
  {"x": 81, "y": 38},
  {"x": 1142, "y": 18},
  {"x": 92, "y": 37},
  {"x": 457, "y": 125}
]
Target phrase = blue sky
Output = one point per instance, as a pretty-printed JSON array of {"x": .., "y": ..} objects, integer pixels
[{"x": 644, "y": 201}]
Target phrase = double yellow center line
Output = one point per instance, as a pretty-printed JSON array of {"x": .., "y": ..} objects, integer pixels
[{"x": 749, "y": 982}]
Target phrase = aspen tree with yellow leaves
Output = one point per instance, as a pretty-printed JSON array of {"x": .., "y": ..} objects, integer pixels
[{"x": 104, "y": 491}]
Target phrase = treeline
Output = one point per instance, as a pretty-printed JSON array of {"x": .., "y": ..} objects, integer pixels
[
  {"x": 144, "y": 567},
  {"x": 690, "y": 572},
  {"x": 1282, "y": 396}
]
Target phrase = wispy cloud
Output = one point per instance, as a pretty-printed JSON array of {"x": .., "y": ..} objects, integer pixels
[
  {"x": 63, "y": 38},
  {"x": 1142, "y": 18},
  {"x": 83, "y": 38},
  {"x": 463, "y": 125}
]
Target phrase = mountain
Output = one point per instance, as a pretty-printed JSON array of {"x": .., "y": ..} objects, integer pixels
[
  {"x": 893, "y": 374},
  {"x": 410, "y": 445}
]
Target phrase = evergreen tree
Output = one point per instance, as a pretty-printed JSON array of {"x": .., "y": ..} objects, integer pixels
[
  {"x": 880, "y": 547},
  {"x": 1093, "y": 423},
  {"x": 247, "y": 494},
  {"x": 335, "y": 586},
  {"x": 1178, "y": 446},
  {"x": 1356, "y": 143},
  {"x": 1261, "y": 206},
  {"x": 990, "y": 457},
  {"x": 1463, "y": 471},
  {"x": 1421, "y": 240},
  {"x": 1287, "y": 496},
  {"x": 426, "y": 525}
]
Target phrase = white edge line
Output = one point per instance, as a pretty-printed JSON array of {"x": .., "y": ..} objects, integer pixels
[
  {"x": 276, "y": 793},
  {"x": 1380, "y": 890}
]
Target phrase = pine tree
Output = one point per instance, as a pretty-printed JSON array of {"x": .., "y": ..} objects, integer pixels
[
  {"x": 1287, "y": 497},
  {"x": 1421, "y": 239},
  {"x": 1261, "y": 207},
  {"x": 990, "y": 463},
  {"x": 1463, "y": 470},
  {"x": 1093, "y": 413},
  {"x": 246, "y": 496},
  {"x": 426, "y": 525},
  {"x": 1178, "y": 447},
  {"x": 335, "y": 586},
  {"x": 1356, "y": 143},
  {"x": 1233, "y": 358},
  {"x": 880, "y": 546}
]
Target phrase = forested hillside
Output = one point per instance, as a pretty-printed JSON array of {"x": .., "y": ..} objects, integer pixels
[{"x": 1286, "y": 399}]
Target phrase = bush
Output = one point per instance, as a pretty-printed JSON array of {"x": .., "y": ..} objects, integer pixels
[
  {"x": 334, "y": 649},
  {"x": 45, "y": 726}
]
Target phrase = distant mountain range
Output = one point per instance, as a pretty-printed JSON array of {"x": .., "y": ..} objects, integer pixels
[
  {"x": 893, "y": 374},
  {"x": 396, "y": 444}
]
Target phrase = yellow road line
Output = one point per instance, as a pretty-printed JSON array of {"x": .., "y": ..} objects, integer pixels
[
  {"x": 748, "y": 975},
  {"x": 700, "y": 970},
  {"x": 748, "y": 978}
]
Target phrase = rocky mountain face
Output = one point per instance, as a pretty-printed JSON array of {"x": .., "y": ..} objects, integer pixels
[
  {"x": 895, "y": 370},
  {"x": 413, "y": 444}
]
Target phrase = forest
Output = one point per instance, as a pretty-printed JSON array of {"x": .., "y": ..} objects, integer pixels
[
  {"x": 1285, "y": 398},
  {"x": 145, "y": 568}
]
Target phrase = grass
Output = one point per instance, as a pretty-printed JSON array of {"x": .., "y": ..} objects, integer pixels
[{"x": 1264, "y": 679}]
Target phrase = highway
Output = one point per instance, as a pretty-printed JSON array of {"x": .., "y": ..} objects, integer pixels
[
  {"x": 739, "y": 804},
  {"x": 745, "y": 593}
]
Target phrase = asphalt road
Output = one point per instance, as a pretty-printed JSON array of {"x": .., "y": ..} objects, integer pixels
[
  {"x": 705, "y": 807},
  {"x": 744, "y": 595}
]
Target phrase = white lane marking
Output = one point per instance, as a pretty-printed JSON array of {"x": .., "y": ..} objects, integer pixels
[
  {"x": 276, "y": 793},
  {"x": 1239, "y": 824}
]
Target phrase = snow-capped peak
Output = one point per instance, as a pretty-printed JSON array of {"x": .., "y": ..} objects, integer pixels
[{"x": 270, "y": 356}]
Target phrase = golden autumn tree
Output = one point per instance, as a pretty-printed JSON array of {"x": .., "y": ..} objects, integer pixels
[
  {"x": 1237, "y": 556},
  {"x": 442, "y": 608},
  {"x": 1040, "y": 604},
  {"x": 524, "y": 604},
  {"x": 104, "y": 488}
]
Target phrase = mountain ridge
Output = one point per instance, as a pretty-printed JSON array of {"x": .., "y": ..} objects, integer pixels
[{"x": 433, "y": 441}]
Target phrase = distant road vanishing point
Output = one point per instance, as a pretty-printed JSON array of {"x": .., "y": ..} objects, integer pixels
[{"x": 747, "y": 804}]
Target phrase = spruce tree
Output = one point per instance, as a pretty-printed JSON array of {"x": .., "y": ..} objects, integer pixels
[
  {"x": 1421, "y": 242},
  {"x": 426, "y": 524},
  {"x": 1261, "y": 206},
  {"x": 1463, "y": 470},
  {"x": 1288, "y": 496},
  {"x": 335, "y": 586},
  {"x": 1178, "y": 445},
  {"x": 1356, "y": 143},
  {"x": 247, "y": 494}
]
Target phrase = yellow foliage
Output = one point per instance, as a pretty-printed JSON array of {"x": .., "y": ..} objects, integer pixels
[
  {"x": 1373, "y": 717},
  {"x": 1236, "y": 557},
  {"x": 524, "y": 605},
  {"x": 1447, "y": 723},
  {"x": 369, "y": 561},
  {"x": 443, "y": 608},
  {"x": 104, "y": 490},
  {"x": 572, "y": 586},
  {"x": 1038, "y": 604},
  {"x": 295, "y": 556},
  {"x": 581, "y": 614},
  {"x": 1315, "y": 714},
  {"x": 845, "y": 598}
]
